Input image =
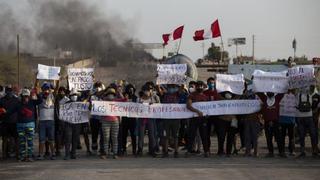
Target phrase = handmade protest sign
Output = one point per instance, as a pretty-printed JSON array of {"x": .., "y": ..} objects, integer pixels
[
  {"x": 48, "y": 72},
  {"x": 166, "y": 69},
  {"x": 173, "y": 111},
  {"x": 80, "y": 79},
  {"x": 172, "y": 79},
  {"x": 276, "y": 82},
  {"x": 231, "y": 83},
  {"x": 74, "y": 112},
  {"x": 301, "y": 76},
  {"x": 171, "y": 74},
  {"x": 288, "y": 105}
]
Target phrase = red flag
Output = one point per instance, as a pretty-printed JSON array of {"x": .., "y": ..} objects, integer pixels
[
  {"x": 177, "y": 33},
  {"x": 199, "y": 35},
  {"x": 165, "y": 38},
  {"x": 215, "y": 29},
  {"x": 213, "y": 32}
]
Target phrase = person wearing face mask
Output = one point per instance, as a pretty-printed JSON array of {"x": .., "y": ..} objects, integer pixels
[
  {"x": 46, "y": 119},
  {"x": 183, "y": 131},
  {"x": 110, "y": 124},
  {"x": 146, "y": 123},
  {"x": 26, "y": 112},
  {"x": 95, "y": 123},
  {"x": 226, "y": 127},
  {"x": 198, "y": 123},
  {"x": 213, "y": 95},
  {"x": 315, "y": 111},
  {"x": 251, "y": 125},
  {"x": 170, "y": 126},
  {"x": 58, "y": 123},
  {"x": 305, "y": 121},
  {"x": 287, "y": 121},
  {"x": 129, "y": 124},
  {"x": 270, "y": 114},
  {"x": 9, "y": 127},
  {"x": 71, "y": 131}
]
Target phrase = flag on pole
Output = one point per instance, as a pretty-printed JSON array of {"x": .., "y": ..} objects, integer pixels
[
  {"x": 213, "y": 32},
  {"x": 176, "y": 34}
]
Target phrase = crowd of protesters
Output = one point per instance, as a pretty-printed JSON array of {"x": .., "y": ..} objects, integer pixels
[{"x": 26, "y": 111}]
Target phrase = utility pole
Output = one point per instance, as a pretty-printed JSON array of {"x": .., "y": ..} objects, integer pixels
[
  {"x": 253, "y": 40},
  {"x": 202, "y": 45},
  {"x": 18, "y": 55},
  {"x": 294, "y": 46}
]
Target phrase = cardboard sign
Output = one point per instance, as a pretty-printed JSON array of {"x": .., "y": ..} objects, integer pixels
[
  {"x": 48, "y": 72},
  {"x": 301, "y": 76},
  {"x": 231, "y": 83},
  {"x": 276, "y": 82},
  {"x": 80, "y": 79},
  {"x": 74, "y": 112}
]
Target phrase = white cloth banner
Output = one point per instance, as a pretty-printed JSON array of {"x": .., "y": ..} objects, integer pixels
[
  {"x": 231, "y": 83},
  {"x": 80, "y": 79},
  {"x": 48, "y": 72},
  {"x": 173, "y": 111},
  {"x": 74, "y": 112},
  {"x": 166, "y": 69},
  {"x": 301, "y": 76},
  {"x": 276, "y": 82}
]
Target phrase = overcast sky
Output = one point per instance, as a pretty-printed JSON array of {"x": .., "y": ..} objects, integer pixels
[{"x": 274, "y": 23}]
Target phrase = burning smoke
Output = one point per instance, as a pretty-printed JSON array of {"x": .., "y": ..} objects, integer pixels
[{"x": 74, "y": 25}]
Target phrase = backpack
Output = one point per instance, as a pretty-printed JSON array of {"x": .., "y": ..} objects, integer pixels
[{"x": 304, "y": 106}]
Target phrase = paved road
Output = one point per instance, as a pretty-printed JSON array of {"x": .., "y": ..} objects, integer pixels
[
  {"x": 157, "y": 168},
  {"x": 196, "y": 167}
]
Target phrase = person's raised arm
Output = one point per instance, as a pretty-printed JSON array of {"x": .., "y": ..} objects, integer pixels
[{"x": 191, "y": 108}]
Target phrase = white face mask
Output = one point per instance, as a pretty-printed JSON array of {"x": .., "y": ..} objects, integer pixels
[
  {"x": 110, "y": 96},
  {"x": 228, "y": 95},
  {"x": 99, "y": 89},
  {"x": 191, "y": 90},
  {"x": 74, "y": 98},
  {"x": 271, "y": 101}
]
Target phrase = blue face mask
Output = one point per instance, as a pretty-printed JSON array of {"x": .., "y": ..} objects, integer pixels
[
  {"x": 172, "y": 90},
  {"x": 211, "y": 86}
]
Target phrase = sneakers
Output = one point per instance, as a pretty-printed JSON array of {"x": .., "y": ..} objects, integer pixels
[
  {"x": 39, "y": 158},
  {"x": 165, "y": 155},
  {"x": 269, "y": 155},
  {"x": 53, "y": 157},
  {"x": 175, "y": 155},
  {"x": 283, "y": 155},
  {"x": 302, "y": 155},
  {"x": 115, "y": 156},
  {"x": 206, "y": 154}
]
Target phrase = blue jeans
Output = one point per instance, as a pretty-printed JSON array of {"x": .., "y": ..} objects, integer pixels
[
  {"x": 46, "y": 130},
  {"x": 25, "y": 134}
]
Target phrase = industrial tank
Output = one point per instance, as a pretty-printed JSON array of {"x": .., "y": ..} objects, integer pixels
[{"x": 182, "y": 59}]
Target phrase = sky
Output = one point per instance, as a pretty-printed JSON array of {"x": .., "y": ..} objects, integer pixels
[{"x": 275, "y": 23}]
